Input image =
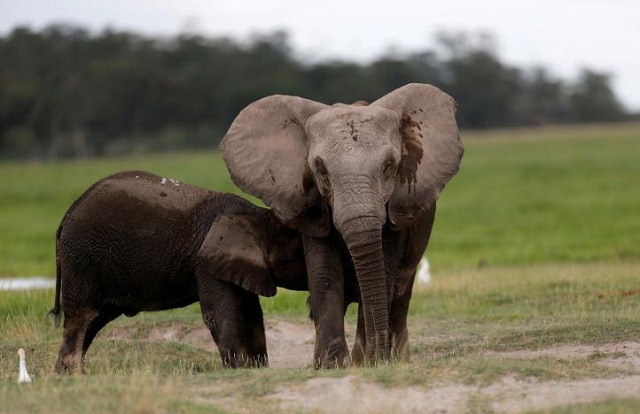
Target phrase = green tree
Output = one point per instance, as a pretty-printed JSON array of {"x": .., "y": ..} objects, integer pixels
[
  {"x": 485, "y": 89},
  {"x": 592, "y": 99},
  {"x": 66, "y": 92},
  {"x": 543, "y": 99}
]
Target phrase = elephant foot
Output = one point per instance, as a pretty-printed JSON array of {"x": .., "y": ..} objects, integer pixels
[
  {"x": 335, "y": 355},
  {"x": 69, "y": 365},
  {"x": 231, "y": 359},
  {"x": 372, "y": 357},
  {"x": 400, "y": 346},
  {"x": 357, "y": 354}
]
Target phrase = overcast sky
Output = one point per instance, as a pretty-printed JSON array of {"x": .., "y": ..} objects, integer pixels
[{"x": 562, "y": 35}]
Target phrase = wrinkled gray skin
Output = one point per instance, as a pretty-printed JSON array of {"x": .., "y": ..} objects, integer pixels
[
  {"x": 367, "y": 176},
  {"x": 135, "y": 241}
]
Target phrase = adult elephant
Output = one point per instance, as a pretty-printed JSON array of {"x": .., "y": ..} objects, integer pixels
[{"x": 364, "y": 175}]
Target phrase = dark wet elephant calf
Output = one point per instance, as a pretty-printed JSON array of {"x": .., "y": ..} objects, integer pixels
[{"x": 135, "y": 241}]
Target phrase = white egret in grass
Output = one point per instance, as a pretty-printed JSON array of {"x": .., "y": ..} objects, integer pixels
[
  {"x": 23, "y": 375},
  {"x": 423, "y": 274}
]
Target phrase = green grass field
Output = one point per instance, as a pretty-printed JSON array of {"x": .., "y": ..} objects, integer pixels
[
  {"x": 536, "y": 245},
  {"x": 526, "y": 197}
]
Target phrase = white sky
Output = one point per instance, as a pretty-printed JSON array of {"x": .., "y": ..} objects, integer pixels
[{"x": 561, "y": 35}]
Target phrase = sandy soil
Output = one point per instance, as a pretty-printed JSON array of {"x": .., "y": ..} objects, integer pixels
[{"x": 290, "y": 345}]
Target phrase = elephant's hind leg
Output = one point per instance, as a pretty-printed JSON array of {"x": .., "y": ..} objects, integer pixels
[
  {"x": 76, "y": 323},
  {"x": 106, "y": 315}
]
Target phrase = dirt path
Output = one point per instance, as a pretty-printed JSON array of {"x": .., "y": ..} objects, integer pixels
[
  {"x": 354, "y": 395},
  {"x": 290, "y": 344}
]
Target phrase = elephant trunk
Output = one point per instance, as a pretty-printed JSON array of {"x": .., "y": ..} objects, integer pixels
[{"x": 365, "y": 247}]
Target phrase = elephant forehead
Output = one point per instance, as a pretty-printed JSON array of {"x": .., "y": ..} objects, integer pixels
[{"x": 357, "y": 126}]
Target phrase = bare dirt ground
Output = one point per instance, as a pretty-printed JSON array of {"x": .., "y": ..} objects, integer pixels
[{"x": 290, "y": 345}]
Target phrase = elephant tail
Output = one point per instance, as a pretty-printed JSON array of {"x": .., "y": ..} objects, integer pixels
[{"x": 56, "y": 305}]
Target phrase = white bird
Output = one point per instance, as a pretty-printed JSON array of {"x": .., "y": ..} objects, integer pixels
[
  {"x": 23, "y": 375},
  {"x": 423, "y": 274}
]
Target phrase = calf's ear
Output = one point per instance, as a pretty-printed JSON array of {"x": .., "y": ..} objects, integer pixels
[{"x": 234, "y": 251}]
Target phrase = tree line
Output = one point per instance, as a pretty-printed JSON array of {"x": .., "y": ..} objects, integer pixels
[{"x": 67, "y": 92}]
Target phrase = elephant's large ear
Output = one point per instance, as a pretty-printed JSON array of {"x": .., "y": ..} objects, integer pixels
[
  {"x": 234, "y": 251},
  {"x": 431, "y": 151},
  {"x": 265, "y": 151}
]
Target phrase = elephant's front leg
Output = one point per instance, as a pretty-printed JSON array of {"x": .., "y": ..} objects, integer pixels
[
  {"x": 393, "y": 248},
  {"x": 326, "y": 288},
  {"x": 398, "y": 315},
  {"x": 413, "y": 242},
  {"x": 234, "y": 318},
  {"x": 357, "y": 353}
]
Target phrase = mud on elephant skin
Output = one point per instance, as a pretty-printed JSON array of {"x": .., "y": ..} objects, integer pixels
[
  {"x": 366, "y": 174},
  {"x": 135, "y": 241}
]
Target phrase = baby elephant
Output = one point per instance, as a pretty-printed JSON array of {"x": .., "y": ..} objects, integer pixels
[{"x": 136, "y": 242}]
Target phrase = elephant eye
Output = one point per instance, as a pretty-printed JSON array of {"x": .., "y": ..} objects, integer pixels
[
  {"x": 388, "y": 167},
  {"x": 320, "y": 167},
  {"x": 322, "y": 176}
]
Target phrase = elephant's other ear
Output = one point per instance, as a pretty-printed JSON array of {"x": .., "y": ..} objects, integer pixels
[
  {"x": 266, "y": 150},
  {"x": 233, "y": 251},
  {"x": 431, "y": 152}
]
